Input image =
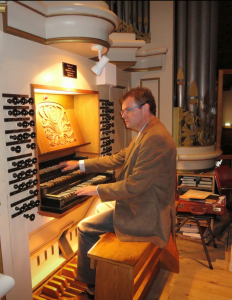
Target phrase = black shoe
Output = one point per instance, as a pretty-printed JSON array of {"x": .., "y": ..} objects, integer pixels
[
  {"x": 86, "y": 296},
  {"x": 90, "y": 296}
]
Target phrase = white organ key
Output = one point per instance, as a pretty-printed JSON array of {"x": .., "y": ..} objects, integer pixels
[{"x": 46, "y": 170}]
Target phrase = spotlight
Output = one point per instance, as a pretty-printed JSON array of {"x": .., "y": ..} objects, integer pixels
[{"x": 103, "y": 60}]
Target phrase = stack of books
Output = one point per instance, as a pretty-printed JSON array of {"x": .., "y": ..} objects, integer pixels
[
  {"x": 188, "y": 181},
  {"x": 190, "y": 230},
  {"x": 205, "y": 182}
]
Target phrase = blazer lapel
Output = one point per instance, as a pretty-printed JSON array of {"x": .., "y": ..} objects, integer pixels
[{"x": 133, "y": 145}]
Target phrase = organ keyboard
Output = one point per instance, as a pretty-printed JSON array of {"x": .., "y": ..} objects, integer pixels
[{"x": 58, "y": 188}]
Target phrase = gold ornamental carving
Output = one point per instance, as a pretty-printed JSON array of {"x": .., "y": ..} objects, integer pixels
[
  {"x": 194, "y": 131},
  {"x": 56, "y": 124},
  {"x": 124, "y": 27}
]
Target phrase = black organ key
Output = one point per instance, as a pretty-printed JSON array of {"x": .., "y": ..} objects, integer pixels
[
  {"x": 35, "y": 181},
  {"x": 37, "y": 203},
  {"x": 14, "y": 100},
  {"x": 16, "y": 149},
  {"x": 107, "y": 149},
  {"x": 23, "y": 100},
  {"x": 18, "y": 137},
  {"x": 19, "y": 175},
  {"x": 32, "y": 146},
  {"x": 14, "y": 112},
  {"x": 24, "y": 112},
  {"x": 35, "y": 171},
  {"x": 29, "y": 184},
  {"x": 30, "y": 100},
  {"x": 108, "y": 132},
  {"x": 25, "y": 124},
  {"x": 29, "y": 172},
  {"x": 20, "y": 186},
  {"x": 28, "y": 161},
  {"x": 25, "y": 163},
  {"x": 27, "y": 135},
  {"x": 18, "y": 164},
  {"x": 31, "y": 217},
  {"x": 107, "y": 118},
  {"x": 31, "y": 112},
  {"x": 35, "y": 192}
]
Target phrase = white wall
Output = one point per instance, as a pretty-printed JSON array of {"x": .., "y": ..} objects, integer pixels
[
  {"x": 25, "y": 62},
  {"x": 162, "y": 29}
]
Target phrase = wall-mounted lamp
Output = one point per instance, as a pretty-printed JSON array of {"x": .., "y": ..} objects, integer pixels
[{"x": 103, "y": 60}]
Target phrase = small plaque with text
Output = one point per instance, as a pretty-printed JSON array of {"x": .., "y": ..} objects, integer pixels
[{"x": 69, "y": 70}]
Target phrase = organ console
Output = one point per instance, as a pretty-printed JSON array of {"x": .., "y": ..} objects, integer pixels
[{"x": 38, "y": 194}]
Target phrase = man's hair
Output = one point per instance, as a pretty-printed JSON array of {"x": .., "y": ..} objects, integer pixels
[{"x": 141, "y": 96}]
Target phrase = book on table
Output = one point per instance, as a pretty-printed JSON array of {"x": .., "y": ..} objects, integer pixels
[
  {"x": 195, "y": 195},
  {"x": 205, "y": 182}
]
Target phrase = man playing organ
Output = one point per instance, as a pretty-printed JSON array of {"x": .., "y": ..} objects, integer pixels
[{"x": 144, "y": 190}]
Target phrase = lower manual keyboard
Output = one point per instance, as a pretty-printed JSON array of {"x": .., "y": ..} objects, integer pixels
[{"x": 65, "y": 198}]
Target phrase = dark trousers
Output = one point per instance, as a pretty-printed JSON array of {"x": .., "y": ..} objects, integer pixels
[{"x": 89, "y": 231}]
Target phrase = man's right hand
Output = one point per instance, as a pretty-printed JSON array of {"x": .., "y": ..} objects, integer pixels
[{"x": 68, "y": 165}]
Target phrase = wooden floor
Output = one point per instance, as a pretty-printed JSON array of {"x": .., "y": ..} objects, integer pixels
[{"x": 195, "y": 280}]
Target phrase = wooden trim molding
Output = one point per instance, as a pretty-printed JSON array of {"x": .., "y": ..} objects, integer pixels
[
  {"x": 35, "y": 38},
  {"x": 56, "y": 88},
  {"x": 77, "y": 40},
  {"x": 70, "y": 14},
  {"x": 3, "y": 7},
  {"x": 143, "y": 69}
]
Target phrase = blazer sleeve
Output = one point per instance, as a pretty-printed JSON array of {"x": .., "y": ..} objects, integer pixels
[
  {"x": 155, "y": 159},
  {"x": 101, "y": 164}
]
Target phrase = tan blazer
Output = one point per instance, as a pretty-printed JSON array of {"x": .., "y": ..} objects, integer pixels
[{"x": 145, "y": 186}]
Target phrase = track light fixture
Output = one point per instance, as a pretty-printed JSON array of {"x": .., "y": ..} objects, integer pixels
[{"x": 103, "y": 60}]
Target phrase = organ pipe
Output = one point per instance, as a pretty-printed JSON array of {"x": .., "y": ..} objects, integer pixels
[
  {"x": 197, "y": 25},
  {"x": 192, "y": 49},
  {"x": 181, "y": 53},
  {"x": 204, "y": 58},
  {"x": 213, "y": 57}
]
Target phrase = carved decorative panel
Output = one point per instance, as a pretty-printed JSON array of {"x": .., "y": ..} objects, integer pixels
[{"x": 56, "y": 124}]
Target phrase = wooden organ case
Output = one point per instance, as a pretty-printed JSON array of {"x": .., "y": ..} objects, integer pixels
[{"x": 44, "y": 130}]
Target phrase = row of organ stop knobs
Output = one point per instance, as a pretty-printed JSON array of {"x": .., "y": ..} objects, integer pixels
[
  {"x": 23, "y": 177},
  {"x": 106, "y": 127}
]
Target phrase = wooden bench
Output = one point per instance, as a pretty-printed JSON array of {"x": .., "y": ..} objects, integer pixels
[{"x": 126, "y": 270}]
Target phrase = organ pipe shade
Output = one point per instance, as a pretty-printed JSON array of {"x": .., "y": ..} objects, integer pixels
[
  {"x": 213, "y": 58},
  {"x": 192, "y": 48},
  {"x": 132, "y": 12},
  {"x": 204, "y": 56},
  {"x": 196, "y": 53},
  {"x": 181, "y": 53}
]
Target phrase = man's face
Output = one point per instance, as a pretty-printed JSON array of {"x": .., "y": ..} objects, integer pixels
[{"x": 133, "y": 119}]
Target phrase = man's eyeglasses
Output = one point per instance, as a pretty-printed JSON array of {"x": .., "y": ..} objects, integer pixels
[{"x": 128, "y": 110}]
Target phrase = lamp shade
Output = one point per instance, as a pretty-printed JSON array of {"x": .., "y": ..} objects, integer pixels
[{"x": 97, "y": 69}]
